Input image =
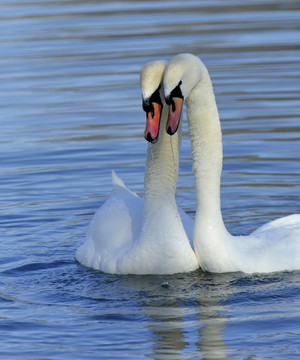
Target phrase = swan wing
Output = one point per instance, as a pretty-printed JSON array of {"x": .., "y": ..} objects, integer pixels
[
  {"x": 113, "y": 228},
  {"x": 283, "y": 228},
  {"x": 275, "y": 246},
  {"x": 118, "y": 186}
]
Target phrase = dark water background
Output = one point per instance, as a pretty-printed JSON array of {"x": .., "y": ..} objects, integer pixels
[{"x": 71, "y": 112}]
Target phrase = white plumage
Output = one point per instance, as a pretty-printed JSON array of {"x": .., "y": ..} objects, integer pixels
[
  {"x": 133, "y": 235},
  {"x": 274, "y": 246}
]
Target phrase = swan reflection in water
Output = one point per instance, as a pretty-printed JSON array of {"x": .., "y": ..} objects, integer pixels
[{"x": 185, "y": 313}]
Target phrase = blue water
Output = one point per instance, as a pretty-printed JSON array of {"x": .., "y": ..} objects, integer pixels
[{"x": 71, "y": 112}]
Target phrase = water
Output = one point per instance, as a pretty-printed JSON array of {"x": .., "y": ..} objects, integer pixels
[{"x": 71, "y": 112}]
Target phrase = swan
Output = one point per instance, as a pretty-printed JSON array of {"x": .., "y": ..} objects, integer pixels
[
  {"x": 273, "y": 247},
  {"x": 132, "y": 235}
]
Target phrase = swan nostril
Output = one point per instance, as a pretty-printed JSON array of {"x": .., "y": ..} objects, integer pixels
[{"x": 173, "y": 105}]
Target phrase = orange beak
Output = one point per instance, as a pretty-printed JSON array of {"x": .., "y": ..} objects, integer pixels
[
  {"x": 174, "y": 115},
  {"x": 152, "y": 123}
]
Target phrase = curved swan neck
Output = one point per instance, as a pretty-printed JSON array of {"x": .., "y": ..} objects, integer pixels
[
  {"x": 206, "y": 139},
  {"x": 162, "y": 164}
]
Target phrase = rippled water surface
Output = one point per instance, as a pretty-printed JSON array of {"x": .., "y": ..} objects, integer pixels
[{"x": 71, "y": 112}]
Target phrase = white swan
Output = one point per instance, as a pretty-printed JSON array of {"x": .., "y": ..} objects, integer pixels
[
  {"x": 274, "y": 246},
  {"x": 131, "y": 235}
]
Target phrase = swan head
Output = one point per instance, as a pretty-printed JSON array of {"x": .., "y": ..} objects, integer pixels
[
  {"x": 152, "y": 93},
  {"x": 181, "y": 75},
  {"x": 151, "y": 76}
]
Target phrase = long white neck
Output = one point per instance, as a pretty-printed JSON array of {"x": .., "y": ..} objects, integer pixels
[
  {"x": 162, "y": 166},
  {"x": 206, "y": 139}
]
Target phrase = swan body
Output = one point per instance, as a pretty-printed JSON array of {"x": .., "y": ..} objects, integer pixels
[
  {"x": 273, "y": 247},
  {"x": 134, "y": 235}
]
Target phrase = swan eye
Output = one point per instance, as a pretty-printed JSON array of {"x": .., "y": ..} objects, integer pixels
[
  {"x": 146, "y": 105},
  {"x": 176, "y": 92},
  {"x": 155, "y": 97}
]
